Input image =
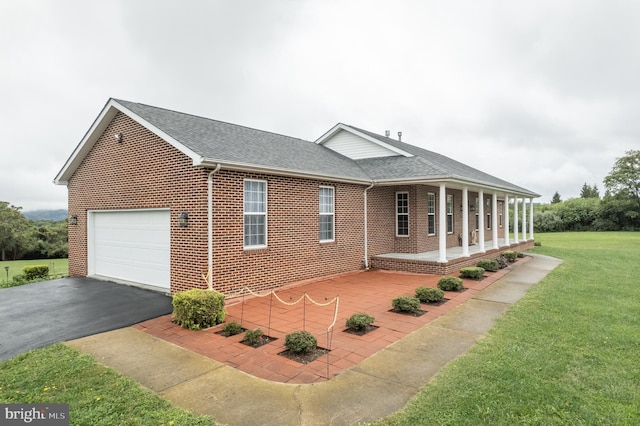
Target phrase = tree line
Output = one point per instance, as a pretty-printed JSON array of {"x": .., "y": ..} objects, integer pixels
[
  {"x": 21, "y": 238},
  {"x": 618, "y": 210}
]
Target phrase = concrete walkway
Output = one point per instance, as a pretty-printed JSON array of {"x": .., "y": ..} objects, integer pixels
[{"x": 375, "y": 388}]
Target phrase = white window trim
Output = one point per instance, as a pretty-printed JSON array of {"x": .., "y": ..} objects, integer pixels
[
  {"x": 450, "y": 213},
  {"x": 332, "y": 214},
  {"x": 266, "y": 217},
  {"x": 435, "y": 206},
  {"x": 398, "y": 214},
  {"x": 500, "y": 214}
]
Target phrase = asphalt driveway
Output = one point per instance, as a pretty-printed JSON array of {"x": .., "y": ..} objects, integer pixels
[{"x": 39, "y": 314}]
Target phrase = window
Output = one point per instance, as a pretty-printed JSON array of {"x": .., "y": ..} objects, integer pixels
[
  {"x": 402, "y": 214},
  {"x": 477, "y": 215},
  {"x": 500, "y": 213},
  {"x": 255, "y": 213},
  {"x": 431, "y": 213},
  {"x": 450, "y": 214},
  {"x": 327, "y": 216},
  {"x": 488, "y": 207}
]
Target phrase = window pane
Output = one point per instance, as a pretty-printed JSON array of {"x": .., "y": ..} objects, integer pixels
[
  {"x": 254, "y": 230},
  {"x": 326, "y": 227},
  {"x": 432, "y": 224}
]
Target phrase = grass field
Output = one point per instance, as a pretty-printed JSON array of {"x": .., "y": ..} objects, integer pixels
[
  {"x": 96, "y": 394},
  {"x": 57, "y": 267},
  {"x": 567, "y": 353}
]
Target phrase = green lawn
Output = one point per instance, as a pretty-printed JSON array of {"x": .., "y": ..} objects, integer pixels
[
  {"x": 59, "y": 267},
  {"x": 567, "y": 353},
  {"x": 96, "y": 394}
]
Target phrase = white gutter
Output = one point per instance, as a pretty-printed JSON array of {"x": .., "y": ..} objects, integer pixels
[
  {"x": 366, "y": 235},
  {"x": 210, "y": 226}
]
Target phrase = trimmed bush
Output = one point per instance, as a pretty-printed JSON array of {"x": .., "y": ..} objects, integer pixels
[
  {"x": 519, "y": 254},
  {"x": 450, "y": 284},
  {"x": 429, "y": 294},
  {"x": 253, "y": 337},
  {"x": 36, "y": 272},
  {"x": 511, "y": 256},
  {"x": 406, "y": 304},
  {"x": 300, "y": 342},
  {"x": 196, "y": 308},
  {"x": 472, "y": 272},
  {"x": 231, "y": 328},
  {"x": 490, "y": 265},
  {"x": 359, "y": 321}
]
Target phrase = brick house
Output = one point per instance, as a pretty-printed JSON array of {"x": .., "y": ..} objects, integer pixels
[{"x": 158, "y": 197}]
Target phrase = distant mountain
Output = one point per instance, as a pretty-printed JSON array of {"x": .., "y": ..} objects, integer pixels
[{"x": 60, "y": 214}]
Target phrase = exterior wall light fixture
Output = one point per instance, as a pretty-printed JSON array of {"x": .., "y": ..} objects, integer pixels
[
  {"x": 73, "y": 219},
  {"x": 183, "y": 220}
]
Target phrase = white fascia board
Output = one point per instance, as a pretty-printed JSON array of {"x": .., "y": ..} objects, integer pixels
[
  {"x": 252, "y": 168},
  {"x": 96, "y": 130},
  {"x": 335, "y": 129},
  {"x": 86, "y": 143},
  {"x": 457, "y": 183}
]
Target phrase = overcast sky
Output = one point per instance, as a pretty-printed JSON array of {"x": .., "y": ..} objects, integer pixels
[{"x": 544, "y": 94}]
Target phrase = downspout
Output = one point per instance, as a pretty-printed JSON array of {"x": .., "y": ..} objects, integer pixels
[
  {"x": 210, "y": 226},
  {"x": 366, "y": 235}
]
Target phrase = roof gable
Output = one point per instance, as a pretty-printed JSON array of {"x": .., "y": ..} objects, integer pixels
[{"x": 357, "y": 144}]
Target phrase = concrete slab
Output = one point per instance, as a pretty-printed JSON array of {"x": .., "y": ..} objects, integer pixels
[
  {"x": 153, "y": 362},
  {"x": 474, "y": 316},
  {"x": 233, "y": 397}
]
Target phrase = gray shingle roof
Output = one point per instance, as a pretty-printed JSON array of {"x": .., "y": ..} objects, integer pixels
[
  {"x": 218, "y": 141},
  {"x": 425, "y": 165}
]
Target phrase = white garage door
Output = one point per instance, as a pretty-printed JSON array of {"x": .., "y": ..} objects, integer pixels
[{"x": 130, "y": 245}]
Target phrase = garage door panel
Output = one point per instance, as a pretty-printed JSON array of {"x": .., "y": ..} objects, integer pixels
[{"x": 132, "y": 246}]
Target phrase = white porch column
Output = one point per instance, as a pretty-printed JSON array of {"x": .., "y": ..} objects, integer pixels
[
  {"x": 515, "y": 220},
  {"x": 442, "y": 224},
  {"x": 531, "y": 218},
  {"x": 465, "y": 222},
  {"x": 506, "y": 219},
  {"x": 481, "y": 225},
  {"x": 494, "y": 220},
  {"x": 524, "y": 219}
]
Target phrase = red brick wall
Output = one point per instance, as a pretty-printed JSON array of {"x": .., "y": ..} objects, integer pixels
[{"x": 146, "y": 172}]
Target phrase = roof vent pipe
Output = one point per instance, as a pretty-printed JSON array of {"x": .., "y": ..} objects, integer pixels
[
  {"x": 387, "y": 133},
  {"x": 400, "y": 136}
]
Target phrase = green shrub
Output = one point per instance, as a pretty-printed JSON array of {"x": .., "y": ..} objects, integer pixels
[
  {"x": 196, "y": 308},
  {"x": 253, "y": 337},
  {"x": 490, "y": 265},
  {"x": 36, "y": 272},
  {"x": 511, "y": 256},
  {"x": 429, "y": 294},
  {"x": 231, "y": 328},
  {"x": 519, "y": 255},
  {"x": 300, "y": 341},
  {"x": 359, "y": 321},
  {"x": 472, "y": 272},
  {"x": 450, "y": 284},
  {"x": 406, "y": 304}
]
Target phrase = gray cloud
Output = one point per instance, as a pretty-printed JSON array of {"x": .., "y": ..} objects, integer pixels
[{"x": 542, "y": 94}]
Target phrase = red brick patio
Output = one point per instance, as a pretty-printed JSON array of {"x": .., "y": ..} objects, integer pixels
[{"x": 370, "y": 292}]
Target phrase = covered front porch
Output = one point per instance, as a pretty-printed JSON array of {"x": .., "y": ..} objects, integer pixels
[{"x": 431, "y": 262}]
